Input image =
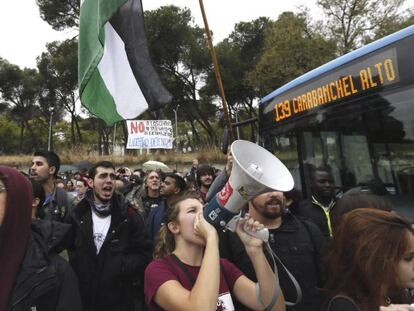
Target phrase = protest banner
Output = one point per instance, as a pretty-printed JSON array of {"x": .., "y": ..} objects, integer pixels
[{"x": 150, "y": 134}]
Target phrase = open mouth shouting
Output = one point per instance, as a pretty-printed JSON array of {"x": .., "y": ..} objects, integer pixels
[{"x": 107, "y": 191}]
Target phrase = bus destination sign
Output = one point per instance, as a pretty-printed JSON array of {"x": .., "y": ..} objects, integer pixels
[{"x": 347, "y": 81}]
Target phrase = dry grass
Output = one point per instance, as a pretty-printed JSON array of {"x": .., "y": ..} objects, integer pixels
[{"x": 210, "y": 155}]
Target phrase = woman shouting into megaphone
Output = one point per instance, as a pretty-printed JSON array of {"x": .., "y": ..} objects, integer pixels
[{"x": 188, "y": 273}]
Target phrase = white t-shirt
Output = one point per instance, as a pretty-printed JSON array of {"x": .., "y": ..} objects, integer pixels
[{"x": 100, "y": 229}]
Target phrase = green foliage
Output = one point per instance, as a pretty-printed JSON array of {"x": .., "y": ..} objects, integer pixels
[
  {"x": 58, "y": 71},
  {"x": 19, "y": 90},
  {"x": 291, "y": 48},
  {"x": 9, "y": 136},
  {"x": 352, "y": 23},
  {"x": 391, "y": 25},
  {"x": 257, "y": 57},
  {"x": 169, "y": 33},
  {"x": 179, "y": 49},
  {"x": 41, "y": 131},
  {"x": 60, "y": 14},
  {"x": 18, "y": 87},
  {"x": 237, "y": 55}
]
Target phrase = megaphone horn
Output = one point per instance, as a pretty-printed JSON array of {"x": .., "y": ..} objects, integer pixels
[{"x": 255, "y": 171}]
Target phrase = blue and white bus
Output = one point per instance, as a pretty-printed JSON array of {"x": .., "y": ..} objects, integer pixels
[{"x": 355, "y": 115}]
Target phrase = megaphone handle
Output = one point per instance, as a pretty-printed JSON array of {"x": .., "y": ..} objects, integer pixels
[{"x": 262, "y": 234}]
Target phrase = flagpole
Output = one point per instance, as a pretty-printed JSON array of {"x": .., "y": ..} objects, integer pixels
[
  {"x": 217, "y": 71},
  {"x": 49, "y": 136},
  {"x": 113, "y": 140}
]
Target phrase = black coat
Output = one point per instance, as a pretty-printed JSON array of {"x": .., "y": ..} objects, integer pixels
[
  {"x": 113, "y": 279},
  {"x": 45, "y": 281},
  {"x": 58, "y": 207},
  {"x": 316, "y": 214},
  {"x": 299, "y": 246}
]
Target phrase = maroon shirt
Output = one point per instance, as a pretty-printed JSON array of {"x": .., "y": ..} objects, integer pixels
[{"x": 162, "y": 270}]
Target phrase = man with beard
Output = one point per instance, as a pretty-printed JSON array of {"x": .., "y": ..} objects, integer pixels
[
  {"x": 108, "y": 247},
  {"x": 299, "y": 245},
  {"x": 171, "y": 187},
  {"x": 320, "y": 206},
  {"x": 205, "y": 177},
  {"x": 44, "y": 169},
  {"x": 146, "y": 197}
]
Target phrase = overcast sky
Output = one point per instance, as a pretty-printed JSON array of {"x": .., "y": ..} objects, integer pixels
[{"x": 23, "y": 34}]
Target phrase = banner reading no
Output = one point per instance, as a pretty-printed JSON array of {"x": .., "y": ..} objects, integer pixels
[{"x": 150, "y": 134}]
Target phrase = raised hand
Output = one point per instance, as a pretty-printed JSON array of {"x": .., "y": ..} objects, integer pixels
[
  {"x": 229, "y": 164},
  {"x": 251, "y": 243},
  {"x": 202, "y": 228}
]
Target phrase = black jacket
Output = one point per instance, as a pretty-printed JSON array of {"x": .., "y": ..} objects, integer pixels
[
  {"x": 113, "y": 279},
  {"x": 45, "y": 281},
  {"x": 299, "y": 246},
  {"x": 316, "y": 214},
  {"x": 58, "y": 206}
]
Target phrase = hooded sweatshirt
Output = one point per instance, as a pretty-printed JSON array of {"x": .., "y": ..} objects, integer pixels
[{"x": 14, "y": 230}]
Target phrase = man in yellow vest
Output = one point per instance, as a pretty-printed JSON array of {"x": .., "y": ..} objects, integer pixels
[{"x": 318, "y": 208}]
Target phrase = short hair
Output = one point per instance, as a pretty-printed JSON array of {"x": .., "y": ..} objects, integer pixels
[
  {"x": 52, "y": 159},
  {"x": 105, "y": 164},
  {"x": 179, "y": 181},
  {"x": 314, "y": 169}
]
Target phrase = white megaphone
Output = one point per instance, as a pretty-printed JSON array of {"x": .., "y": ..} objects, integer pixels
[{"x": 255, "y": 171}]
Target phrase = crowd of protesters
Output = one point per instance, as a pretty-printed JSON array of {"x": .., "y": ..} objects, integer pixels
[{"x": 119, "y": 239}]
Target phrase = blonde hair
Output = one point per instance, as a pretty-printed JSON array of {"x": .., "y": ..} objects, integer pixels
[{"x": 166, "y": 240}]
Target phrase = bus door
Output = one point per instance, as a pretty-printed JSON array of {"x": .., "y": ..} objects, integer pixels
[{"x": 347, "y": 157}]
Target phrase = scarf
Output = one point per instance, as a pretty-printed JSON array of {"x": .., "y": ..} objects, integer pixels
[{"x": 101, "y": 209}]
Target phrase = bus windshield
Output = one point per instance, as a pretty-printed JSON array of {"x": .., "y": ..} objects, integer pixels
[{"x": 354, "y": 115}]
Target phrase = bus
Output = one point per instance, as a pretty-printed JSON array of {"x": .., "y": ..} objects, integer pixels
[{"x": 354, "y": 115}]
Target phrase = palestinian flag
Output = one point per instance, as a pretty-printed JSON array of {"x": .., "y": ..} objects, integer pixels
[{"x": 117, "y": 79}]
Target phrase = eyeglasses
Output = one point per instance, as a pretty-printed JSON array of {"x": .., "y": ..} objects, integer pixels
[{"x": 2, "y": 188}]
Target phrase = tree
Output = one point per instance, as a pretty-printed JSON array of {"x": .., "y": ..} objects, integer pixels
[
  {"x": 179, "y": 49},
  {"x": 60, "y": 14},
  {"x": 237, "y": 55},
  {"x": 20, "y": 90},
  {"x": 354, "y": 22},
  {"x": 291, "y": 48},
  {"x": 9, "y": 136},
  {"x": 389, "y": 26},
  {"x": 58, "y": 72}
]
